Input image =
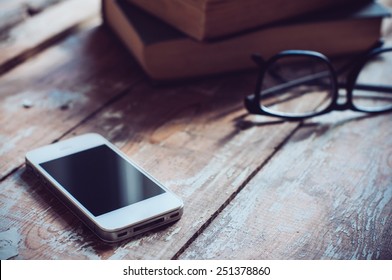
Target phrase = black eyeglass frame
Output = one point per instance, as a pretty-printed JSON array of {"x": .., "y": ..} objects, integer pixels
[{"x": 253, "y": 102}]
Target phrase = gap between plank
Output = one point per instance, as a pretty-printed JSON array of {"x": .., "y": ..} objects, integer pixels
[
  {"x": 234, "y": 194},
  {"x": 111, "y": 101},
  {"x": 114, "y": 99},
  {"x": 15, "y": 61}
]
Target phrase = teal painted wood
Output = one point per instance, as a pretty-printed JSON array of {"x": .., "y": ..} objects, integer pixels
[
  {"x": 327, "y": 194},
  {"x": 253, "y": 187}
]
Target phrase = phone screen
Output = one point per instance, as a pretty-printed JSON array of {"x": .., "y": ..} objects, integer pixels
[{"x": 101, "y": 180}]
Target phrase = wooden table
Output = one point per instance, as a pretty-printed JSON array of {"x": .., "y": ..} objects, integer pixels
[{"x": 253, "y": 187}]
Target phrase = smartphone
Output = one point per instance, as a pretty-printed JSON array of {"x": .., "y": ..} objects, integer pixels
[{"x": 114, "y": 197}]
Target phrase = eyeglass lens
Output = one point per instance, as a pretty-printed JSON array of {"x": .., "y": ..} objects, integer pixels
[
  {"x": 296, "y": 86},
  {"x": 369, "y": 92}
]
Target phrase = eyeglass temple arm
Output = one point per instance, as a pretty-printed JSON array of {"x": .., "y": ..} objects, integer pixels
[
  {"x": 380, "y": 88},
  {"x": 291, "y": 84},
  {"x": 312, "y": 78}
]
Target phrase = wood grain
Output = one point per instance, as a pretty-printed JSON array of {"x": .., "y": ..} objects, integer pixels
[
  {"x": 253, "y": 187},
  {"x": 43, "y": 99},
  {"x": 326, "y": 195},
  {"x": 35, "y": 33},
  {"x": 10, "y": 15},
  {"x": 200, "y": 148},
  {"x": 15, "y": 11}
]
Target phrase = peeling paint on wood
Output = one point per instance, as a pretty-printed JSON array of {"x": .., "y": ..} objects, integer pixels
[
  {"x": 329, "y": 200},
  {"x": 25, "y": 38},
  {"x": 253, "y": 187},
  {"x": 9, "y": 241},
  {"x": 62, "y": 91}
]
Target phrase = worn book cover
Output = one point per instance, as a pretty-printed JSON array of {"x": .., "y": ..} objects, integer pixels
[{"x": 166, "y": 53}]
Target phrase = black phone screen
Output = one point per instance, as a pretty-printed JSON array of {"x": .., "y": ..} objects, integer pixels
[{"x": 101, "y": 180}]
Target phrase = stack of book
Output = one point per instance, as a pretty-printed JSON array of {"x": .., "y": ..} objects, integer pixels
[{"x": 174, "y": 39}]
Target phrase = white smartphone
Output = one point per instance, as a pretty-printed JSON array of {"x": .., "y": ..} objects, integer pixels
[{"x": 114, "y": 197}]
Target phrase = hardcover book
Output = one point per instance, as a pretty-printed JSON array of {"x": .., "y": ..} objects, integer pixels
[
  {"x": 206, "y": 19},
  {"x": 166, "y": 53}
]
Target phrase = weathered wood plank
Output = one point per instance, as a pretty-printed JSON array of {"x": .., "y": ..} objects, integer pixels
[
  {"x": 195, "y": 140},
  {"x": 15, "y": 11},
  {"x": 387, "y": 22},
  {"x": 32, "y": 34},
  {"x": 326, "y": 195},
  {"x": 37, "y": 6},
  {"x": 44, "y": 98},
  {"x": 10, "y": 15},
  {"x": 191, "y": 137}
]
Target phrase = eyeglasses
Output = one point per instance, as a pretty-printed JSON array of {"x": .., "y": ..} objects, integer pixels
[{"x": 297, "y": 84}]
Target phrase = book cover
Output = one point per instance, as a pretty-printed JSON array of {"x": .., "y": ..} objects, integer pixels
[
  {"x": 166, "y": 53},
  {"x": 208, "y": 19}
]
